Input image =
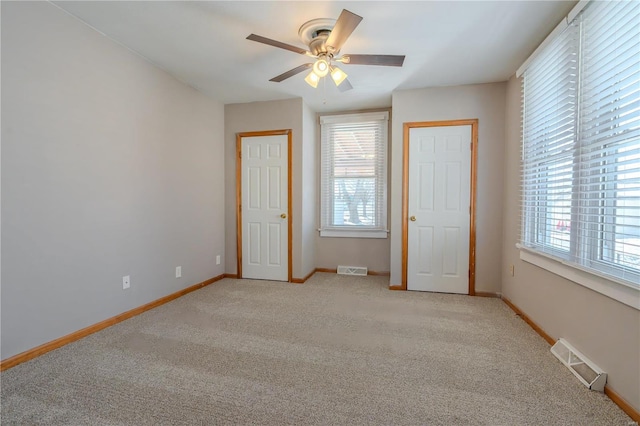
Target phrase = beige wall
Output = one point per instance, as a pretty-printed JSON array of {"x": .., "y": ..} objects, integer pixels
[
  {"x": 259, "y": 116},
  {"x": 486, "y": 103},
  {"x": 310, "y": 189},
  {"x": 370, "y": 252},
  {"x": 606, "y": 331},
  {"x": 110, "y": 167}
]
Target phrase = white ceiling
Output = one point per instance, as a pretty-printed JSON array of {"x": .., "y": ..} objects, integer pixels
[{"x": 445, "y": 42}]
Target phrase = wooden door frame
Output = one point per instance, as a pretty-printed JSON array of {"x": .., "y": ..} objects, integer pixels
[
  {"x": 473, "y": 122},
  {"x": 239, "y": 137}
]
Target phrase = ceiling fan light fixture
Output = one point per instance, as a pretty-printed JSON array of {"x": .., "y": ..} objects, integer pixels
[
  {"x": 312, "y": 79},
  {"x": 338, "y": 75},
  {"x": 321, "y": 67}
]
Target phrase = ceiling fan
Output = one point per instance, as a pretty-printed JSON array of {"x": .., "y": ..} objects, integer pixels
[{"x": 325, "y": 38}]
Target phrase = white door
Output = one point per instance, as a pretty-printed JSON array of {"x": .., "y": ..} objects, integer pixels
[
  {"x": 439, "y": 209},
  {"x": 264, "y": 207}
]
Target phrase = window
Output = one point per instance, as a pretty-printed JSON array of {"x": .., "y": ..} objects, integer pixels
[
  {"x": 354, "y": 175},
  {"x": 581, "y": 144}
]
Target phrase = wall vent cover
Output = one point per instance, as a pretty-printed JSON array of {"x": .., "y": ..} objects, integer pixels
[
  {"x": 586, "y": 371},
  {"x": 352, "y": 270}
]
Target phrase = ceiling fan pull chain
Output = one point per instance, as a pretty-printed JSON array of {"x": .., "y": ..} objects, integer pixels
[{"x": 324, "y": 91}]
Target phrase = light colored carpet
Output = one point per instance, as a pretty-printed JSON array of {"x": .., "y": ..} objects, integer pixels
[{"x": 335, "y": 350}]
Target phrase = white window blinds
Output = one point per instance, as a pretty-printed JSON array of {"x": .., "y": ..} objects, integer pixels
[
  {"x": 549, "y": 106},
  {"x": 354, "y": 175},
  {"x": 581, "y": 144}
]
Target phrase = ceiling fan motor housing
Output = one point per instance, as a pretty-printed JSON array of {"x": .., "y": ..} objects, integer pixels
[
  {"x": 318, "y": 45},
  {"x": 315, "y": 33}
]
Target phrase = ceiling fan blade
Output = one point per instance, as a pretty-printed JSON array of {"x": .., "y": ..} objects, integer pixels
[
  {"x": 346, "y": 23},
  {"x": 275, "y": 43},
  {"x": 345, "y": 85},
  {"x": 291, "y": 73},
  {"x": 384, "y": 60}
]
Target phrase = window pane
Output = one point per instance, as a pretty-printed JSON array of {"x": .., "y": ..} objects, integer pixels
[
  {"x": 557, "y": 211},
  {"x": 626, "y": 248},
  {"x": 354, "y": 201}
]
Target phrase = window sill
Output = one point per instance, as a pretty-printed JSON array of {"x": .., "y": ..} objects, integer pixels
[
  {"x": 349, "y": 233},
  {"x": 623, "y": 293}
]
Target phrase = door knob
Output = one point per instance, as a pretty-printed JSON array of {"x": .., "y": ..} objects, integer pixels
[
  {"x": 412, "y": 218},
  {"x": 284, "y": 216}
]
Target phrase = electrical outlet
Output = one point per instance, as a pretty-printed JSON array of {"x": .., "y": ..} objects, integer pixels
[
  {"x": 126, "y": 282},
  {"x": 217, "y": 259},
  {"x": 178, "y": 271}
]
